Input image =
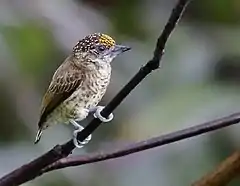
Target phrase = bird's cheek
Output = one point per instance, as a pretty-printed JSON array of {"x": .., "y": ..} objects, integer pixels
[{"x": 108, "y": 59}]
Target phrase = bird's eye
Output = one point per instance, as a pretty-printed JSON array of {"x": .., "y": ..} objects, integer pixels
[{"x": 101, "y": 48}]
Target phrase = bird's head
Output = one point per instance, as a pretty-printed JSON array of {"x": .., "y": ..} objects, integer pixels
[{"x": 98, "y": 48}]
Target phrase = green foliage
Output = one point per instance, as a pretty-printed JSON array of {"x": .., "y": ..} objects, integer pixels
[
  {"x": 218, "y": 11},
  {"x": 12, "y": 127},
  {"x": 30, "y": 45},
  {"x": 125, "y": 18}
]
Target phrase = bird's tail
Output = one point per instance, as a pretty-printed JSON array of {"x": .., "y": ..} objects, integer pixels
[{"x": 38, "y": 136}]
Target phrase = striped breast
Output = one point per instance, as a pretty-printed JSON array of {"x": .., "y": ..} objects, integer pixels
[{"x": 87, "y": 96}]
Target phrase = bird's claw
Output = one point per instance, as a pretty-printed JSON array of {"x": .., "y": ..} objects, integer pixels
[
  {"x": 77, "y": 143},
  {"x": 97, "y": 114}
]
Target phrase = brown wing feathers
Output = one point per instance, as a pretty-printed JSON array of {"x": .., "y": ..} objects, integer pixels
[
  {"x": 62, "y": 86},
  {"x": 64, "y": 82}
]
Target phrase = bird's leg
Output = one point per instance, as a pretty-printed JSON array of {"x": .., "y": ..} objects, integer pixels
[
  {"x": 97, "y": 114},
  {"x": 79, "y": 128}
]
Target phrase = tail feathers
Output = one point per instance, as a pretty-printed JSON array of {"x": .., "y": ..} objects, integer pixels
[{"x": 38, "y": 136}]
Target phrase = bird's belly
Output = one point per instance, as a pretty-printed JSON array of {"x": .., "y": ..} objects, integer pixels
[
  {"x": 77, "y": 105},
  {"x": 67, "y": 110}
]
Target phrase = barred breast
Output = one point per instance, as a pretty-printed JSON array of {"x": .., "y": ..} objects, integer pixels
[{"x": 87, "y": 96}]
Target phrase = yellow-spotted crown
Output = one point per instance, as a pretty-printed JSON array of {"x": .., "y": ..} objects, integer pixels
[{"x": 96, "y": 42}]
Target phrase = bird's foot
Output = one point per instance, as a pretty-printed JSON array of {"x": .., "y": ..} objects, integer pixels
[
  {"x": 97, "y": 114},
  {"x": 79, "y": 128}
]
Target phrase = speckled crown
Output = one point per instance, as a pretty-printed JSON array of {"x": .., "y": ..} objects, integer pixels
[{"x": 93, "y": 40}]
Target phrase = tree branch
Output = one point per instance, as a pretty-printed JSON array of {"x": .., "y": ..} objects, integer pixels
[
  {"x": 223, "y": 174},
  {"x": 31, "y": 170},
  {"x": 147, "y": 144},
  {"x": 151, "y": 65}
]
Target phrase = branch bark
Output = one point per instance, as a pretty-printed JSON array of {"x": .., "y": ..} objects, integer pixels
[
  {"x": 147, "y": 144},
  {"x": 31, "y": 170},
  {"x": 223, "y": 174}
]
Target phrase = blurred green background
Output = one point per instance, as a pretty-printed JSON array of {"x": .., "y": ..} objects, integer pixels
[{"x": 198, "y": 81}]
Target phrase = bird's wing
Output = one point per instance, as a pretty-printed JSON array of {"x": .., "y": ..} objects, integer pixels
[{"x": 64, "y": 82}]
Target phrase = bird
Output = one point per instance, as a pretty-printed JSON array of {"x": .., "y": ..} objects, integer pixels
[{"x": 79, "y": 83}]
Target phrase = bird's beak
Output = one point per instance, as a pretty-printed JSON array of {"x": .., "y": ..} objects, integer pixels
[{"x": 118, "y": 49}]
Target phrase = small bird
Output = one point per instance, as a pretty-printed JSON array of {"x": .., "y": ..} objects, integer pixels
[{"x": 79, "y": 84}]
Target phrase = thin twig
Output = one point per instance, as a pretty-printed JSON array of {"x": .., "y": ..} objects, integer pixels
[
  {"x": 223, "y": 174},
  {"x": 147, "y": 144},
  {"x": 31, "y": 170}
]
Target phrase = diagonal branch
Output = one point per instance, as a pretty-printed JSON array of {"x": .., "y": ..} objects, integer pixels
[
  {"x": 31, "y": 170},
  {"x": 151, "y": 65},
  {"x": 147, "y": 144},
  {"x": 223, "y": 173}
]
